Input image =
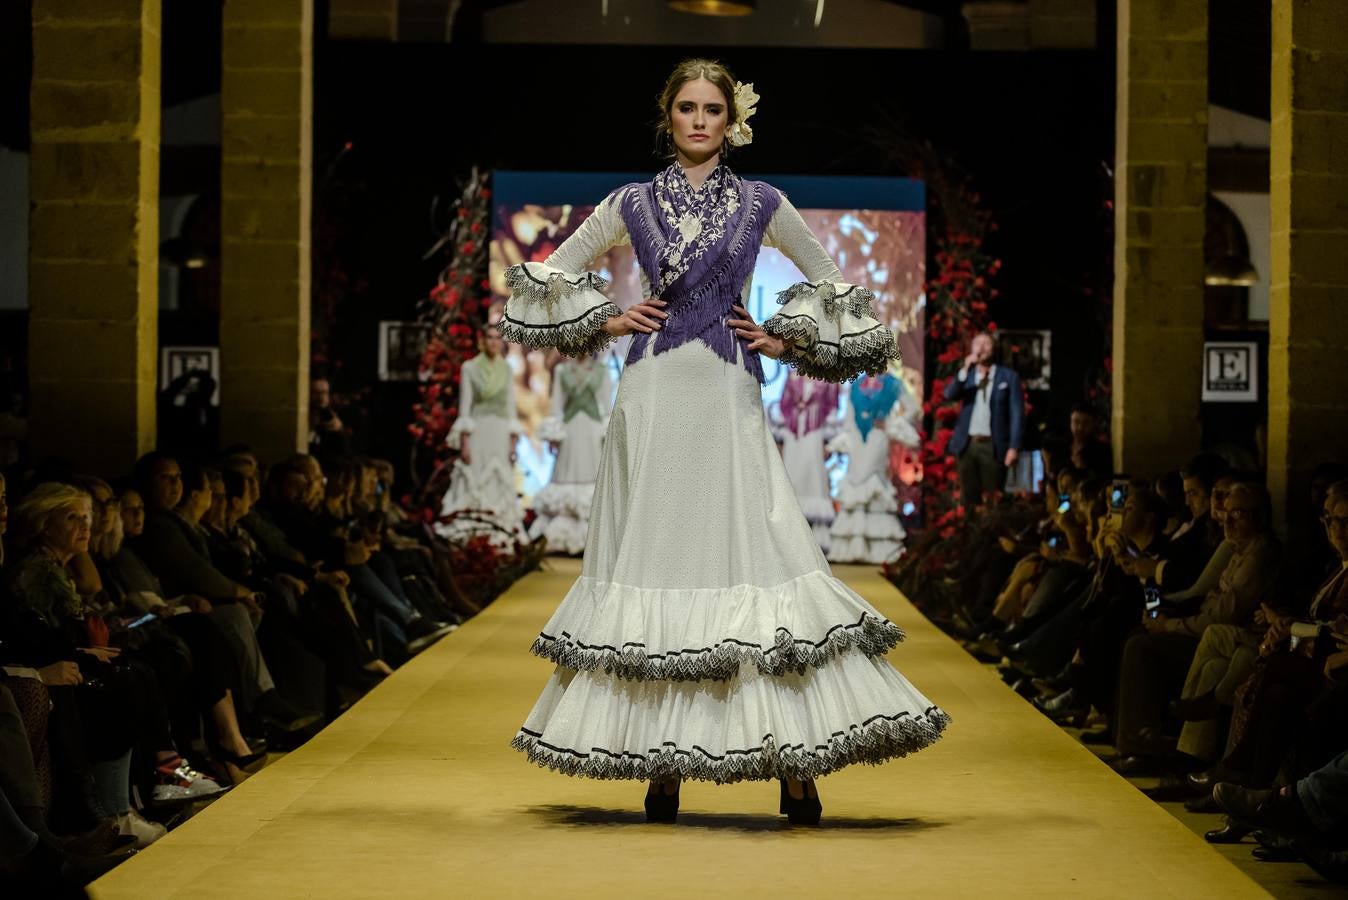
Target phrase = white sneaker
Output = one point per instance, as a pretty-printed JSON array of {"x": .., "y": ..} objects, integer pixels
[
  {"x": 179, "y": 782},
  {"x": 144, "y": 831}
]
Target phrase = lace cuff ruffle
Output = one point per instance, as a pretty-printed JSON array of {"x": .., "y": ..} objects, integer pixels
[
  {"x": 462, "y": 425},
  {"x": 550, "y": 429},
  {"x": 834, "y": 333},
  {"x": 551, "y": 308}
]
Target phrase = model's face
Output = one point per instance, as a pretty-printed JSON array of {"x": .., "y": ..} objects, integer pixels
[
  {"x": 68, "y": 528},
  {"x": 698, "y": 120},
  {"x": 492, "y": 344},
  {"x": 133, "y": 514}
]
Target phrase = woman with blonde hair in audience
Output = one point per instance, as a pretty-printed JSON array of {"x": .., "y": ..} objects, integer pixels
[{"x": 120, "y": 710}]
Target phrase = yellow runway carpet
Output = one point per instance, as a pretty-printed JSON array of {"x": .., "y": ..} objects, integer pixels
[{"x": 415, "y": 793}]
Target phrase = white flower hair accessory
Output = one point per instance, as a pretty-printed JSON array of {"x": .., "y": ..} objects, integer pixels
[{"x": 739, "y": 133}]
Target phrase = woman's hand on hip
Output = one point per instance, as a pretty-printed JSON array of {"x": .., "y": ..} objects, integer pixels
[
  {"x": 769, "y": 345},
  {"x": 645, "y": 317}
]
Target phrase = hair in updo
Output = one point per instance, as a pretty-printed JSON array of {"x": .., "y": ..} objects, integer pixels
[{"x": 684, "y": 72}]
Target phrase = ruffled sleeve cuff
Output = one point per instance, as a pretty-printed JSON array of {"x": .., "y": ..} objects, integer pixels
[
  {"x": 833, "y": 333},
  {"x": 550, "y": 429},
  {"x": 900, "y": 430},
  {"x": 551, "y": 308},
  {"x": 462, "y": 425}
]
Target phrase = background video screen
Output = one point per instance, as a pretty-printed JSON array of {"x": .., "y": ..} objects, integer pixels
[{"x": 883, "y": 249}]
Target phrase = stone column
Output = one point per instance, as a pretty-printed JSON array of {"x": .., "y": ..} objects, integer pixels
[
  {"x": 1160, "y": 185},
  {"x": 1308, "y": 325},
  {"x": 266, "y": 191},
  {"x": 94, "y": 230}
]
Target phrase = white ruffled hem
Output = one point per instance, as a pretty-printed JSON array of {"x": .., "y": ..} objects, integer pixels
[
  {"x": 859, "y": 549},
  {"x": 833, "y": 331},
  {"x": 854, "y": 709},
  {"x": 875, "y": 526},
  {"x": 483, "y": 491},
  {"x": 701, "y": 633},
  {"x": 872, "y": 493},
  {"x": 818, "y": 510},
  {"x": 552, "y": 308},
  {"x": 564, "y": 534},
  {"x": 565, "y": 500}
]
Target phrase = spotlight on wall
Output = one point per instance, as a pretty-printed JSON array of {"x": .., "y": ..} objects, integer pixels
[
  {"x": 1230, "y": 271},
  {"x": 185, "y": 254},
  {"x": 714, "y": 7}
]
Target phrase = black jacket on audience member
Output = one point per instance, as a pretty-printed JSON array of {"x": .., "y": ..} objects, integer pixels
[
  {"x": 1187, "y": 554},
  {"x": 177, "y": 552}
]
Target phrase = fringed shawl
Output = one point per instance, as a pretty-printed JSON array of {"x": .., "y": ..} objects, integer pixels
[{"x": 697, "y": 248}]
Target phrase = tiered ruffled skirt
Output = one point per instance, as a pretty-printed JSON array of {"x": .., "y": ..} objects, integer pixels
[{"x": 706, "y": 637}]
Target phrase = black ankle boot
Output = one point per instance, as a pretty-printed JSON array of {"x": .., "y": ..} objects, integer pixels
[
  {"x": 805, "y": 811},
  {"x": 661, "y": 807}
]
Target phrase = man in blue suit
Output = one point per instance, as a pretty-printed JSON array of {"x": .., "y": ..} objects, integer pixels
[{"x": 992, "y": 419}]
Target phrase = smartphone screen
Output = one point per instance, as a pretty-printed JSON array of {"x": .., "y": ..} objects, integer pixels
[
  {"x": 1064, "y": 502},
  {"x": 1153, "y": 596}
]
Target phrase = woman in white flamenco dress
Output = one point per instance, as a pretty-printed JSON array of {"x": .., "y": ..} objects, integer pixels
[
  {"x": 867, "y": 529},
  {"x": 706, "y": 637},
  {"x": 806, "y": 419},
  {"x": 582, "y": 398},
  {"x": 482, "y": 483}
]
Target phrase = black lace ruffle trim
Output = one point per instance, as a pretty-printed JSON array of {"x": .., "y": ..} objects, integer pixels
[
  {"x": 874, "y": 741},
  {"x": 870, "y": 635}
]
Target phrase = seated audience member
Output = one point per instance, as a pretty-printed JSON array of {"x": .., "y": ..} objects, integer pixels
[
  {"x": 1192, "y": 544},
  {"x": 48, "y": 628},
  {"x": 34, "y": 862},
  {"x": 203, "y": 684},
  {"x": 1155, "y": 662},
  {"x": 1170, "y": 488},
  {"x": 1109, "y": 614},
  {"x": 1228, "y": 655},
  {"x": 1310, "y": 816},
  {"x": 313, "y": 605},
  {"x": 1292, "y": 670},
  {"x": 296, "y": 503},
  {"x": 176, "y": 550}
]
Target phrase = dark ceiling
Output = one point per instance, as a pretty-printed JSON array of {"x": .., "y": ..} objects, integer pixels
[{"x": 1238, "y": 64}]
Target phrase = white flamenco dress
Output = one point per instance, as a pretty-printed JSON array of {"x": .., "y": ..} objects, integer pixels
[
  {"x": 706, "y": 637},
  {"x": 484, "y": 487},
  {"x": 867, "y": 528},
  {"x": 805, "y": 419},
  {"x": 582, "y": 398}
]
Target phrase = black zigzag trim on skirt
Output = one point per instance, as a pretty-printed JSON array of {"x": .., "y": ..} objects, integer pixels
[
  {"x": 876, "y": 740},
  {"x": 870, "y": 635}
]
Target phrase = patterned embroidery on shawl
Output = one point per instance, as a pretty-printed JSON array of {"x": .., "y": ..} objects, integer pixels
[{"x": 696, "y": 218}]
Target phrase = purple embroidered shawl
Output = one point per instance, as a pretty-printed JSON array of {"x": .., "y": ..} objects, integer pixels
[
  {"x": 806, "y": 404},
  {"x": 697, "y": 248}
]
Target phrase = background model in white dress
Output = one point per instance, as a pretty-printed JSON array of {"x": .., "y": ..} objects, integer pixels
[
  {"x": 805, "y": 419},
  {"x": 706, "y": 636},
  {"x": 582, "y": 398},
  {"x": 485, "y": 484},
  {"x": 867, "y": 529}
]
